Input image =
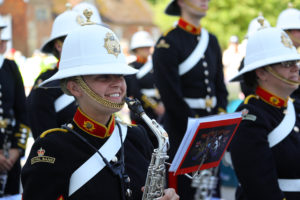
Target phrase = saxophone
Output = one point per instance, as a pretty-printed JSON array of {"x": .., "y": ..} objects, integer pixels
[{"x": 156, "y": 176}]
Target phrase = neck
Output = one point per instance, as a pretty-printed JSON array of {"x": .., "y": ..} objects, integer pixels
[
  {"x": 195, "y": 21},
  {"x": 283, "y": 94},
  {"x": 100, "y": 117}
]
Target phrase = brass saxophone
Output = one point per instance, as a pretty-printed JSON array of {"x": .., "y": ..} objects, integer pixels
[{"x": 156, "y": 176}]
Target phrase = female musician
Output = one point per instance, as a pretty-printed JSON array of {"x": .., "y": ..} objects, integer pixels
[{"x": 266, "y": 148}]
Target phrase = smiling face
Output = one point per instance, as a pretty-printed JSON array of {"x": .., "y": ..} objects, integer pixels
[{"x": 111, "y": 88}]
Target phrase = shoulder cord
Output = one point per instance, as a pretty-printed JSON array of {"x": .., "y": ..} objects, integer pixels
[{"x": 118, "y": 168}]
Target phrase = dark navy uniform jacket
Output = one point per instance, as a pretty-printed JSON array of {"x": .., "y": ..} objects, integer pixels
[
  {"x": 41, "y": 110},
  {"x": 50, "y": 181},
  {"x": 134, "y": 87},
  {"x": 203, "y": 79},
  {"x": 12, "y": 106},
  {"x": 258, "y": 167}
]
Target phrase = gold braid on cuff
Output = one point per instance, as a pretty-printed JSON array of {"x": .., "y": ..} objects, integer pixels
[
  {"x": 275, "y": 74},
  {"x": 96, "y": 97}
]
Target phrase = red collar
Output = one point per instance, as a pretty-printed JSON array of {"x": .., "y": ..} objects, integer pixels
[
  {"x": 57, "y": 64},
  {"x": 271, "y": 98},
  {"x": 189, "y": 27},
  {"x": 141, "y": 60},
  {"x": 92, "y": 127}
]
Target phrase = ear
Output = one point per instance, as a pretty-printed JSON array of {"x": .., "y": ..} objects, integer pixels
[
  {"x": 261, "y": 73},
  {"x": 58, "y": 45},
  {"x": 180, "y": 3},
  {"x": 74, "y": 88}
]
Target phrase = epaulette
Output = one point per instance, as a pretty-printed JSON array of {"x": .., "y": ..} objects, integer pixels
[
  {"x": 168, "y": 31},
  {"x": 52, "y": 130},
  {"x": 249, "y": 97},
  {"x": 118, "y": 119}
]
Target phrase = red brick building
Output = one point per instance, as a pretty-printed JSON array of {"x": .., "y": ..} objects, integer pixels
[{"x": 31, "y": 20}]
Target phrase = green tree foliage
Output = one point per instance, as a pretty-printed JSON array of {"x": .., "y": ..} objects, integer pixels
[{"x": 227, "y": 17}]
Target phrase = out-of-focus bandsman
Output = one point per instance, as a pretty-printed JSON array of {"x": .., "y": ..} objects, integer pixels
[
  {"x": 141, "y": 85},
  {"x": 289, "y": 21},
  {"x": 50, "y": 108},
  {"x": 14, "y": 128},
  {"x": 188, "y": 72}
]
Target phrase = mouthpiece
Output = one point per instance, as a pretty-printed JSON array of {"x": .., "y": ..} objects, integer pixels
[{"x": 135, "y": 106}]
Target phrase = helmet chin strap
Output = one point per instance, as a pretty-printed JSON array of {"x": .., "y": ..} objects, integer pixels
[
  {"x": 82, "y": 84},
  {"x": 280, "y": 77},
  {"x": 187, "y": 2}
]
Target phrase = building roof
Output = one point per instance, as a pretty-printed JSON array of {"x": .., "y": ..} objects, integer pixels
[
  {"x": 126, "y": 11},
  {"x": 117, "y": 11}
]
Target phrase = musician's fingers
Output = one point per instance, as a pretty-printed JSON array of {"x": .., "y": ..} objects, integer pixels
[
  {"x": 6, "y": 165},
  {"x": 170, "y": 194}
]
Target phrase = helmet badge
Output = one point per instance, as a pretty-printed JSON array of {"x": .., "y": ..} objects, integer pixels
[
  {"x": 286, "y": 41},
  {"x": 112, "y": 45}
]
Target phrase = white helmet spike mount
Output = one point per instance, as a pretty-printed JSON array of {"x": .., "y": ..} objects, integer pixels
[{"x": 255, "y": 25}]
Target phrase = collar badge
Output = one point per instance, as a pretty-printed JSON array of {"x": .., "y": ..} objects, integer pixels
[{"x": 89, "y": 126}]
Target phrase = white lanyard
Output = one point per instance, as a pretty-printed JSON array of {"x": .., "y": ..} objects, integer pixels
[{"x": 95, "y": 163}]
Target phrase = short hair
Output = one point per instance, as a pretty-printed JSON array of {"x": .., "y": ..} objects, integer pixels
[
  {"x": 63, "y": 85},
  {"x": 250, "y": 79}
]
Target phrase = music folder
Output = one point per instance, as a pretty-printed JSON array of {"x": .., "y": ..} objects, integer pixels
[{"x": 204, "y": 143}]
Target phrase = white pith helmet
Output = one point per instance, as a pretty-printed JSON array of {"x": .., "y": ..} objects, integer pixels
[
  {"x": 289, "y": 19},
  {"x": 5, "y": 35},
  {"x": 90, "y": 50},
  {"x": 2, "y": 23},
  {"x": 141, "y": 39},
  {"x": 62, "y": 25},
  {"x": 254, "y": 25},
  {"x": 79, "y": 8},
  {"x": 267, "y": 46}
]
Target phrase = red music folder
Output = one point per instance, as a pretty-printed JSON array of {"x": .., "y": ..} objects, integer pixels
[{"x": 205, "y": 142}]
